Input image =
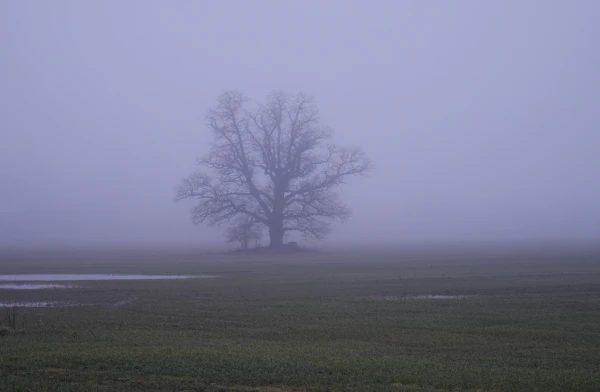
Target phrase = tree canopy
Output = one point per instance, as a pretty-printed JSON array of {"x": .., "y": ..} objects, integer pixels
[{"x": 274, "y": 164}]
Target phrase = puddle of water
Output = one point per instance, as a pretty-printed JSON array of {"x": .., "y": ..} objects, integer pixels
[
  {"x": 127, "y": 301},
  {"x": 38, "y": 304},
  {"x": 33, "y": 286},
  {"x": 436, "y": 296},
  {"x": 421, "y": 296},
  {"x": 33, "y": 304},
  {"x": 78, "y": 277}
]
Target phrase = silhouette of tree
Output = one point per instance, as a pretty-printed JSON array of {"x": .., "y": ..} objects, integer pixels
[{"x": 274, "y": 165}]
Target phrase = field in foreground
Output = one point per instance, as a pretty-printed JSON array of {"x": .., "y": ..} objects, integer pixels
[{"x": 520, "y": 321}]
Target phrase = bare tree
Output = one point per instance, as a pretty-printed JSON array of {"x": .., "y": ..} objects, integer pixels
[
  {"x": 244, "y": 231},
  {"x": 273, "y": 164}
]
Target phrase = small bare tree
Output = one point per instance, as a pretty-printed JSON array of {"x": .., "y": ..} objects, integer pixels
[
  {"x": 273, "y": 164},
  {"x": 245, "y": 231}
]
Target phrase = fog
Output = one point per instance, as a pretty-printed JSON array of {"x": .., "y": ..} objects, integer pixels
[{"x": 482, "y": 118}]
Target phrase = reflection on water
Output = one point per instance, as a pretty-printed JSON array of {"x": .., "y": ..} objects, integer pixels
[
  {"x": 420, "y": 296},
  {"x": 33, "y": 286},
  {"x": 33, "y": 304},
  {"x": 78, "y": 277},
  {"x": 436, "y": 296}
]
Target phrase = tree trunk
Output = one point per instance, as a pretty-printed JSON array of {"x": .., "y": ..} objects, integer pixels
[
  {"x": 276, "y": 220},
  {"x": 276, "y": 235}
]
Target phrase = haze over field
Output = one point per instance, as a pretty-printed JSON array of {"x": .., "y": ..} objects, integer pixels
[{"x": 482, "y": 118}]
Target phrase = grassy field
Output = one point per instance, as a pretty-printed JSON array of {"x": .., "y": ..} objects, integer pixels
[{"x": 527, "y": 320}]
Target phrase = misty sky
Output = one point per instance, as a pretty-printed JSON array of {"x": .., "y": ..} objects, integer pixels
[{"x": 482, "y": 117}]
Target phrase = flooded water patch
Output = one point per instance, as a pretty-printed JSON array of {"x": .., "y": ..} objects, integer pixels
[
  {"x": 88, "y": 277},
  {"x": 412, "y": 297},
  {"x": 436, "y": 296},
  {"x": 30, "y": 304},
  {"x": 38, "y": 304},
  {"x": 33, "y": 286},
  {"x": 124, "y": 302}
]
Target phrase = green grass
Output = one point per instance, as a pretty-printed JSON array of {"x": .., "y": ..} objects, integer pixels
[{"x": 530, "y": 321}]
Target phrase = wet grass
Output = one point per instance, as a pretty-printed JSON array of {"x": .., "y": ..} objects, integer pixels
[{"x": 528, "y": 321}]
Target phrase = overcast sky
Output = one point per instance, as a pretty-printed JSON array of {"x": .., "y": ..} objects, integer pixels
[{"x": 482, "y": 117}]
